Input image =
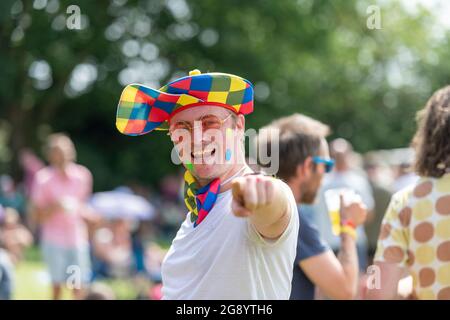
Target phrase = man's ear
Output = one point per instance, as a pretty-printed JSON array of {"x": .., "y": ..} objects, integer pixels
[
  {"x": 307, "y": 167},
  {"x": 240, "y": 126},
  {"x": 302, "y": 172},
  {"x": 240, "y": 122}
]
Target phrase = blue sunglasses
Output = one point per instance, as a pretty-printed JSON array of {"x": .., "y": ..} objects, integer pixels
[{"x": 329, "y": 163}]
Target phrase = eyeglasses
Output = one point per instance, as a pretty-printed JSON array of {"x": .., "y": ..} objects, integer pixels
[
  {"x": 329, "y": 163},
  {"x": 208, "y": 121}
]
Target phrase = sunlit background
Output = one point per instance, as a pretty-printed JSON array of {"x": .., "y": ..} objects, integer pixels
[{"x": 319, "y": 58}]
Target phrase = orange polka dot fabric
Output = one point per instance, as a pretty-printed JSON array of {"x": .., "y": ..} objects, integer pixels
[{"x": 415, "y": 234}]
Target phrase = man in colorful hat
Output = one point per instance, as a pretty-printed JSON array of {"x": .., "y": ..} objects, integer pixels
[{"x": 238, "y": 240}]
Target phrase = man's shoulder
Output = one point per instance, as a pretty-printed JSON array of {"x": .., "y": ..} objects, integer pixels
[
  {"x": 308, "y": 227},
  {"x": 310, "y": 242},
  {"x": 81, "y": 170},
  {"x": 305, "y": 216},
  {"x": 403, "y": 195}
]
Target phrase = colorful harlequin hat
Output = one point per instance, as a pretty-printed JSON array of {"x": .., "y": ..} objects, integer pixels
[{"x": 142, "y": 109}]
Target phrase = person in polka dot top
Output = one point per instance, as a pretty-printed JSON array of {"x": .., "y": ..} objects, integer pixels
[{"x": 415, "y": 233}]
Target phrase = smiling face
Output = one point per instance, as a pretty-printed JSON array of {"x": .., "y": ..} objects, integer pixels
[{"x": 208, "y": 140}]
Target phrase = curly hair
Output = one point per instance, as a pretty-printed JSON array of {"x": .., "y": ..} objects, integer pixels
[{"x": 432, "y": 138}]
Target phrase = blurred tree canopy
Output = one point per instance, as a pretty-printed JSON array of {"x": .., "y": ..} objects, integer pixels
[{"x": 314, "y": 57}]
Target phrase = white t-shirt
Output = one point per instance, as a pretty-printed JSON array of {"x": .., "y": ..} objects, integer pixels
[{"x": 224, "y": 257}]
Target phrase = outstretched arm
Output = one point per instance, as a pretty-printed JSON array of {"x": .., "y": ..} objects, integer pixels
[{"x": 265, "y": 201}]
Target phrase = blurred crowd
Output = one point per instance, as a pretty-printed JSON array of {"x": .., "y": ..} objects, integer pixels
[
  {"x": 375, "y": 176},
  {"x": 125, "y": 246},
  {"x": 124, "y": 233},
  {"x": 118, "y": 234}
]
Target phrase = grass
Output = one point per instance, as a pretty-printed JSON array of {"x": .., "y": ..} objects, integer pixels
[{"x": 32, "y": 281}]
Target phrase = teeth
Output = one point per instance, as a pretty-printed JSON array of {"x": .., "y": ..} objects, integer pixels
[
  {"x": 202, "y": 153},
  {"x": 198, "y": 154}
]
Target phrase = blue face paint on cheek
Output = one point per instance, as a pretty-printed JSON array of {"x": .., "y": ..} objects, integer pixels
[
  {"x": 229, "y": 137},
  {"x": 228, "y": 155}
]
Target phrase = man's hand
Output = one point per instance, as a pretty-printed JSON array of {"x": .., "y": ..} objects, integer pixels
[
  {"x": 264, "y": 200},
  {"x": 43, "y": 214},
  {"x": 251, "y": 193},
  {"x": 356, "y": 212}
]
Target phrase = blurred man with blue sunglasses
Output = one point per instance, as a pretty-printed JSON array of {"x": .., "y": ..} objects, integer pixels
[
  {"x": 303, "y": 163},
  {"x": 329, "y": 163}
]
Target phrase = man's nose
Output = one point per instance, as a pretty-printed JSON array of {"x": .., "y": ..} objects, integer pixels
[{"x": 197, "y": 133}]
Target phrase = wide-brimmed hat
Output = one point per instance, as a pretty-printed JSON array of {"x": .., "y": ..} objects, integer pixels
[{"x": 142, "y": 109}]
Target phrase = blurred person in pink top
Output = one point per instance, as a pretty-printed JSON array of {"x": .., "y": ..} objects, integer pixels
[{"x": 59, "y": 196}]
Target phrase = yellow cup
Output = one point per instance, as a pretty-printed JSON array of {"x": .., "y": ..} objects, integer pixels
[
  {"x": 333, "y": 202},
  {"x": 335, "y": 220}
]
